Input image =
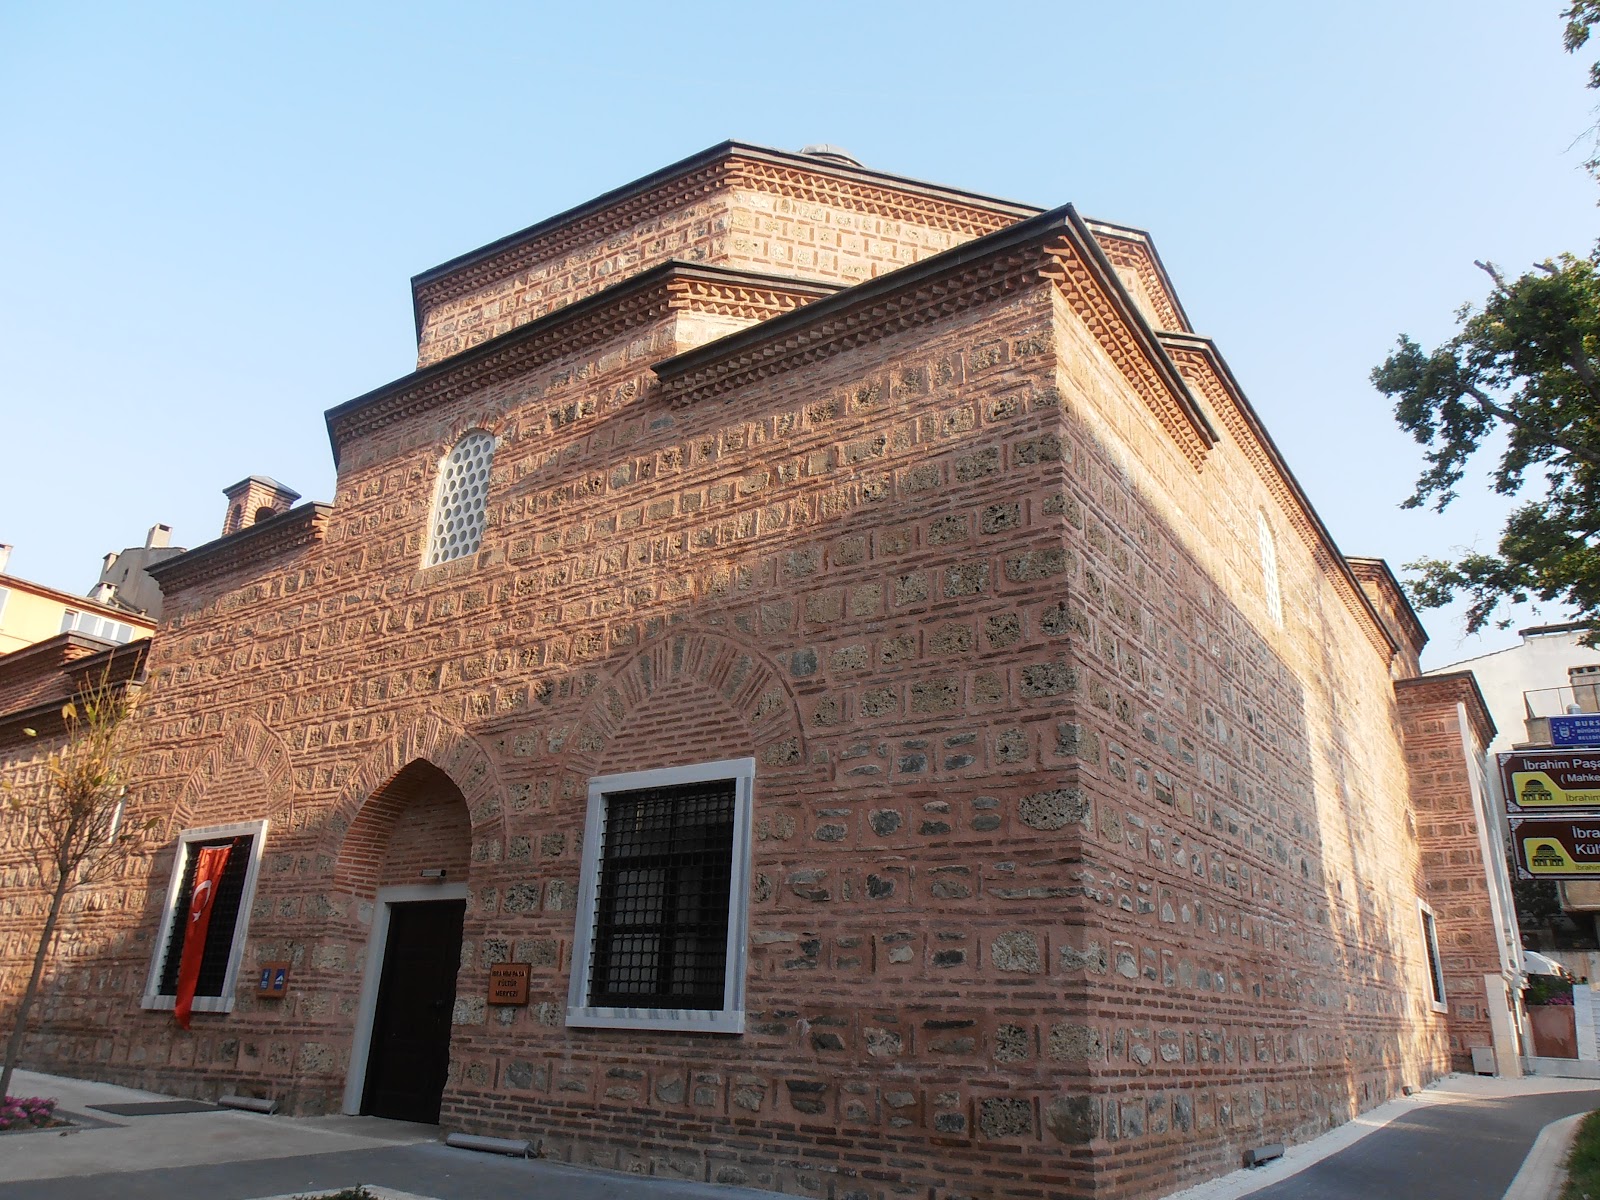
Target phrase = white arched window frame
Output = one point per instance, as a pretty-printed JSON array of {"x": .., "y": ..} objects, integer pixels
[
  {"x": 460, "y": 499},
  {"x": 1269, "y": 569}
]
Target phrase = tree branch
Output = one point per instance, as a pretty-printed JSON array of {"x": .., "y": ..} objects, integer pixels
[{"x": 1517, "y": 421}]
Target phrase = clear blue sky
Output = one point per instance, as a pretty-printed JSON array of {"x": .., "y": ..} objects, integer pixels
[{"x": 210, "y": 212}]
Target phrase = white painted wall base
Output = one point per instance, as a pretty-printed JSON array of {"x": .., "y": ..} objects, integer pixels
[{"x": 1503, "y": 1027}]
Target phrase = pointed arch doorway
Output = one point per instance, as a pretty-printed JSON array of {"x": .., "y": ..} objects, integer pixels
[{"x": 407, "y": 852}]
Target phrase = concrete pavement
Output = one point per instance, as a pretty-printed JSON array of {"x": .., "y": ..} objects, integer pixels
[{"x": 1463, "y": 1139}]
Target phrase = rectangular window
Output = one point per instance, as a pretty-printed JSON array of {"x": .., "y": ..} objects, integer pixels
[
  {"x": 230, "y": 917},
  {"x": 663, "y": 904},
  {"x": 1430, "y": 943},
  {"x": 69, "y": 621}
]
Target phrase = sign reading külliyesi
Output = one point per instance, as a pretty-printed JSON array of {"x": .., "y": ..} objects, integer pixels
[
  {"x": 1546, "y": 779},
  {"x": 1564, "y": 849}
]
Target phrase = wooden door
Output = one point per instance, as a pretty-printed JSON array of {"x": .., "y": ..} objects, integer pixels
[{"x": 410, "y": 1049}]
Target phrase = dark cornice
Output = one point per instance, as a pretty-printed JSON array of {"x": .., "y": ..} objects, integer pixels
[
  {"x": 868, "y": 310},
  {"x": 1408, "y": 615},
  {"x": 968, "y": 274},
  {"x": 1148, "y": 336},
  {"x": 24, "y": 659},
  {"x": 251, "y": 546},
  {"x": 116, "y": 665},
  {"x": 1142, "y": 236},
  {"x": 642, "y": 298},
  {"x": 636, "y": 193},
  {"x": 1258, "y": 431}
]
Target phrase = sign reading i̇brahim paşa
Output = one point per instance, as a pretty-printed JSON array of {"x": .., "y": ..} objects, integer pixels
[
  {"x": 1564, "y": 849},
  {"x": 1544, "y": 779}
]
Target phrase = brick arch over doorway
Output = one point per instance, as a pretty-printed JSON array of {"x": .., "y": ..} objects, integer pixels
[
  {"x": 421, "y": 758},
  {"x": 417, "y": 821}
]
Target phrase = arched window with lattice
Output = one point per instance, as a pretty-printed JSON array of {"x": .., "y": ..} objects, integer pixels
[{"x": 460, "y": 499}]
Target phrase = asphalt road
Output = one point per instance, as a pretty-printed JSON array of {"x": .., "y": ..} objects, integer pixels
[{"x": 1466, "y": 1150}]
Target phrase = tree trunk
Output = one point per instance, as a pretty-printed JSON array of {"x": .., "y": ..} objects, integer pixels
[{"x": 19, "y": 1031}]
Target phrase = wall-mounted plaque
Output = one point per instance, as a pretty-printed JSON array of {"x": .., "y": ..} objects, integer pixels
[
  {"x": 1545, "y": 779},
  {"x": 508, "y": 983},
  {"x": 273, "y": 982}
]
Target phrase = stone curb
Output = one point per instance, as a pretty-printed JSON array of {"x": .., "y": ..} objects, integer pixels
[{"x": 1544, "y": 1170}]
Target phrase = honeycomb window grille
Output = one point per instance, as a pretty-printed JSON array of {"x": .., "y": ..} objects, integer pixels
[
  {"x": 662, "y": 911},
  {"x": 460, "y": 499}
]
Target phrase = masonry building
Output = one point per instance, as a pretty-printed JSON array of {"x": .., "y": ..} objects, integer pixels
[{"x": 852, "y": 647}]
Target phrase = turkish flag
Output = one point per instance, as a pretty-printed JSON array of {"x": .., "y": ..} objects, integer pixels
[{"x": 207, "y": 875}]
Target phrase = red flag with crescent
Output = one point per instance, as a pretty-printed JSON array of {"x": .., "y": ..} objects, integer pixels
[{"x": 202, "y": 899}]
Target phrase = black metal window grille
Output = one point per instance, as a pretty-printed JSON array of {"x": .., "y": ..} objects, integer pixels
[
  {"x": 224, "y": 918},
  {"x": 661, "y": 907}
]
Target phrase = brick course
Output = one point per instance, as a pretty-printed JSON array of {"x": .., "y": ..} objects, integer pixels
[{"x": 1073, "y": 872}]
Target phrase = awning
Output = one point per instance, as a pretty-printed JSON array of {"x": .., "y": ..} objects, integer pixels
[{"x": 1534, "y": 963}]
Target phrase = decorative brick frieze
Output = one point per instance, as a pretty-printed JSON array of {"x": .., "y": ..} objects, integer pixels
[
  {"x": 733, "y": 205},
  {"x": 1132, "y": 253},
  {"x": 239, "y": 552}
]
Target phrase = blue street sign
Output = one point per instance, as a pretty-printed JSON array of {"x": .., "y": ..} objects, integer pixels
[{"x": 1580, "y": 729}]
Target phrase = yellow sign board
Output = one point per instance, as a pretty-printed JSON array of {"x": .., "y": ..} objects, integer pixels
[
  {"x": 1567, "y": 849},
  {"x": 1546, "y": 779}
]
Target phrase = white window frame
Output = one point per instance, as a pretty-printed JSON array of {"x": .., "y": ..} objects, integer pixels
[
  {"x": 730, "y": 1017},
  {"x": 1437, "y": 1000},
  {"x": 1270, "y": 584},
  {"x": 257, "y": 832}
]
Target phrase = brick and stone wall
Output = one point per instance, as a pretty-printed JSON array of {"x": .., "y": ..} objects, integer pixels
[
  {"x": 738, "y": 207},
  {"x": 1074, "y": 871},
  {"x": 1446, "y": 729}
]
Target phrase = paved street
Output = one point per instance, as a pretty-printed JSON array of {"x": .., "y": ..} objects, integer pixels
[
  {"x": 1468, "y": 1150},
  {"x": 1464, "y": 1139}
]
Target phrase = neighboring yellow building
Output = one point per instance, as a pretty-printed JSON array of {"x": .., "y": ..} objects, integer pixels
[
  {"x": 123, "y": 605},
  {"x": 31, "y": 612}
]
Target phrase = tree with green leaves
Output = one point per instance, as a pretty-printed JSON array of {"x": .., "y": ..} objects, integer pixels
[
  {"x": 73, "y": 825},
  {"x": 1522, "y": 374}
]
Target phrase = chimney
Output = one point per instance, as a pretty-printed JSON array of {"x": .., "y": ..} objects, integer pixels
[
  {"x": 107, "y": 563},
  {"x": 5, "y": 556},
  {"x": 254, "y": 499},
  {"x": 159, "y": 537}
]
